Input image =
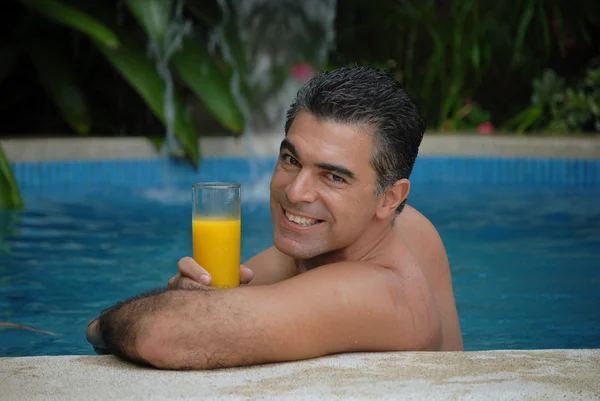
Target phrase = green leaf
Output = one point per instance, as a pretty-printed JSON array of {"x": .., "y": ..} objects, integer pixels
[
  {"x": 531, "y": 118},
  {"x": 208, "y": 83},
  {"x": 475, "y": 57},
  {"x": 522, "y": 30},
  {"x": 131, "y": 62},
  {"x": 558, "y": 126},
  {"x": 525, "y": 119},
  {"x": 10, "y": 196},
  {"x": 75, "y": 18},
  {"x": 153, "y": 16},
  {"x": 57, "y": 78},
  {"x": 543, "y": 18},
  {"x": 592, "y": 78},
  {"x": 9, "y": 57}
]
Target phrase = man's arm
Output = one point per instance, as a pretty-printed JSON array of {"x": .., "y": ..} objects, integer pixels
[
  {"x": 345, "y": 307},
  {"x": 270, "y": 267}
]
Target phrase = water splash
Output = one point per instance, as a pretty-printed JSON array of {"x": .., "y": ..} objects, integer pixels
[{"x": 254, "y": 192}]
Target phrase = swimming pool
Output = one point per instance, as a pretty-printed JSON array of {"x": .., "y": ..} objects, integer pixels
[{"x": 523, "y": 238}]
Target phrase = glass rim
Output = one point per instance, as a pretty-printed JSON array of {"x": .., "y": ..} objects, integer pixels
[{"x": 216, "y": 185}]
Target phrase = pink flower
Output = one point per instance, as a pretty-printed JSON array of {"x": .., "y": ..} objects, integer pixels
[
  {"x": 302, "y": 72},
  {"x": 486, "y": 128}
]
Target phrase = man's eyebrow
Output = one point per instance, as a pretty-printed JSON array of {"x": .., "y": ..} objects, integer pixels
[
  {"x": 287, "y": 145},
  {"x": 341, "y": 170}
]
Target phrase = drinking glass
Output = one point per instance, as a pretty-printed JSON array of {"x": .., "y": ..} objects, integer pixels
[{"x": 216, "y": 231}]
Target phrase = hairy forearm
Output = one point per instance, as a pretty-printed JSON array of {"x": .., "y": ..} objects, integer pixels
[
  {"x": 181, "y": 329},
  {"x": 119, "y": 325}
]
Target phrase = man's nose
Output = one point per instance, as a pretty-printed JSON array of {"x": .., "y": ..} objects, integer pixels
[{"x": 302, "y": 189}]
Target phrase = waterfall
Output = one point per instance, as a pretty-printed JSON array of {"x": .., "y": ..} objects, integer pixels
[
  {"x": 177, "y": 28},
  {"x": 273, "y": 46}
]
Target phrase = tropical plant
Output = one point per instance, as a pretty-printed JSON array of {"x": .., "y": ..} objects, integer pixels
[
  {"x": 10, "y": 196},
  {"x": 556, "y": 108},
  {"x": 159, "y": 55},
  {"x": 446, "y": 51}
]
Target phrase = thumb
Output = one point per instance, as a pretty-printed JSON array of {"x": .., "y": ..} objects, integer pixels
[{"x": 246, "y": 274}]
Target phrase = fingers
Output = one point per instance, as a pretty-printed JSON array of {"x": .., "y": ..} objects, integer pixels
[
  {"x": 94, "y": 336},
  {"x": 189, "y": 268},
  {"x": 192, "y": 276},
  {"x": 188, "y": 284},
  {"x": 246, "y": 274},
  {"x": 172, "y": 283}
]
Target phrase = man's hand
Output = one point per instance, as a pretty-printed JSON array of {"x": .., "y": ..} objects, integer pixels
[{"x": 192, "y": 276}]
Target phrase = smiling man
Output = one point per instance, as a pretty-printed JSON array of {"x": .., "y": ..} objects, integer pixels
[{"x": 353, "y": 268}]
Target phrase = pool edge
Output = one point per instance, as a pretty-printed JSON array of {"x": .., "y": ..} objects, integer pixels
[
  {"x": 98, "y": 148},
  {"x": 484, "y": 375}
]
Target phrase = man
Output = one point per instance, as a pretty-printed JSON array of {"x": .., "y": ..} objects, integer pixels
[{"x": 352, "y": 269}]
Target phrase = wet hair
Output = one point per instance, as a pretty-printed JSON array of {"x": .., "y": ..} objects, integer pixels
[{"x": 372, "y": 97}]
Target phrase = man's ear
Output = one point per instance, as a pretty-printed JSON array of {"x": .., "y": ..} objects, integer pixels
[{"x": 392, "y": 198}]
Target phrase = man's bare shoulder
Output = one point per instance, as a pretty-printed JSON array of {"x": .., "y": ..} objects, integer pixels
[
  {"x": 415, "y": 220},
  {"x": 421, "y": 236},
  {"x": 426, "y": 247}
]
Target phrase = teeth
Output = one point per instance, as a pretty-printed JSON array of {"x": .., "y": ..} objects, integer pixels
[{"x": 303, "y": 221}]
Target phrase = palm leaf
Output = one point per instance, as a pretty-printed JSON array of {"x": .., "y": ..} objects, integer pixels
[
  {"x": 153, "y": 15},
  {"x": 131, "y": 62},
  {"x": 208, "y": 83},
  {"x": 10, "y": 196},
  {"x": 75, "y": 18}
]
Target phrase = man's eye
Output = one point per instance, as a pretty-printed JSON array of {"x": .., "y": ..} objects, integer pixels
[
  {"x": 335, "y": 178},
  {"x": 290, "y": 160}
]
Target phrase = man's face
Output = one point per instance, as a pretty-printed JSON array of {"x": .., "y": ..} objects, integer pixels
[{"x": 323, "y": 188}]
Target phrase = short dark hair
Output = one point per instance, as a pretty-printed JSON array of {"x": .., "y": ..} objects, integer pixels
[{"x": 367, "y": 95}]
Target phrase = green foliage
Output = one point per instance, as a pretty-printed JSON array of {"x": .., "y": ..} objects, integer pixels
[
  {"x": 207, "y": 83},
  {"x": 153, "y": 15},
  {"x": 175, "y": 64},
  {"x": 10, "y": 196},
  {"x": 557, "y": 109},
  {"x": 467, "y": 118},
  {"x": 70, "y": 16},
  {"x": 444, "y": 52},
  {"x": 116, "y": 65}
]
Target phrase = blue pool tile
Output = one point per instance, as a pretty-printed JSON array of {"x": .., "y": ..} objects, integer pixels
[{"x": 428, "y": 169}]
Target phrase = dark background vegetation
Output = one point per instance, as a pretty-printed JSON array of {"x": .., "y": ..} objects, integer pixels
[{"x": 525, "y": 66}]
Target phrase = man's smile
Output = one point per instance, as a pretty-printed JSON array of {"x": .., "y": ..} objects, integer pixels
[{"x": 291, "y": 219}]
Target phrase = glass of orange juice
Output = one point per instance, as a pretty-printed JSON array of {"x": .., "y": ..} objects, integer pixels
[{"x": 216, "y": 231}]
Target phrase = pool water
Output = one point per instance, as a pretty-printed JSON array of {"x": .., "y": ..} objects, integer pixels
[{"x": 525, "y": 260}]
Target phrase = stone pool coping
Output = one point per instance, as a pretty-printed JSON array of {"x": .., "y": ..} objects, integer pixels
[
  {"x": 481, "y": 375},
  {"x": 97, "y": 148}
]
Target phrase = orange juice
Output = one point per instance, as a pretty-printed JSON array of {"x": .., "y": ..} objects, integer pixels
[{"x": 217, "y": 249}]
